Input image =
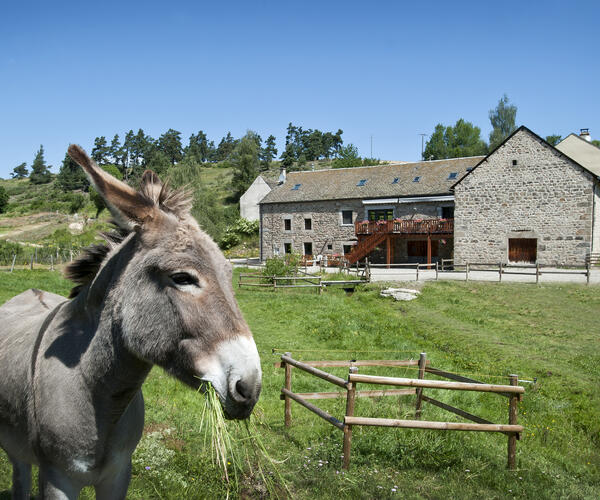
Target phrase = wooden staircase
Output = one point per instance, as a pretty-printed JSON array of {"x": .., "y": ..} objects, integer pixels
[{"x": 366, "y": 246}]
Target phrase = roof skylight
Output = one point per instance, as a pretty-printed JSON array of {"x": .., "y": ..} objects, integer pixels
[
  {"x": 452, "y": 175},
  {"x": 296, "y": 187},
  {"x": 396, "y": 179},
  {"x": 362, "y": 182},
  {"x": 417, "y": 178}
]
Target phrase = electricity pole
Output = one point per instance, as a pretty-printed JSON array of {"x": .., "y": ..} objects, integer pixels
[{"x": 422, "y": 144}]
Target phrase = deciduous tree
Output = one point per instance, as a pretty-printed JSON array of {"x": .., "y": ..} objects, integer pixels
[
  {"x": 502, "y": 119},
  {"x": 462, "y": 139},
  {"x": 245, "y": 163}
]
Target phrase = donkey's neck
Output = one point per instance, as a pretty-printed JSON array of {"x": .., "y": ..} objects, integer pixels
[{"x": 113, "y": 374}]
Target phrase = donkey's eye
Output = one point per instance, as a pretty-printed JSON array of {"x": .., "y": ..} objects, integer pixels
[{"x": 183, "y": 279}]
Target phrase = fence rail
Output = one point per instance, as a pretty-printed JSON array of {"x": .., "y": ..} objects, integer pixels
[
  {"x": 307, "y": 281},
  {"x": 513, "y": 391}
]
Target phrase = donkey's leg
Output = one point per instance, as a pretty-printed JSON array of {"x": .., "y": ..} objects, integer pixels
[
  {"x": 56, "y": 485},
  {"x": 115, "y": 486},
  {"x": 21, "y": 480}
]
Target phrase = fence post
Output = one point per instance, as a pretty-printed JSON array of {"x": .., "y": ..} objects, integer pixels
[
  {"x": 467, "y": 274},
  {"x": 351, "y": 393},
  {"x": 288, "y": 386},
  {"x": 537, "y": 273},
  {"x": 320, "y": 289},
  {"x": 512, "y": 420},
  {"x": 422, "y": 365},
  {"x": 12, "y": 266},
  {"x": 587, "y": 272},
  {"x": 500, "y": 272},
  {"x": 417, "y": 272},
  {"x": 436, "y": 270},
  {"x": 31, "y": 263},
  {"x": 51, "y": 262},
  {"x": 274, "y": 282}
]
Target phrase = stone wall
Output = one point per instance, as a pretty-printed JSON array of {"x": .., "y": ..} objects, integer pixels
[
  {"x": 544, "y": 196},
  {"x": 326, "y": 220},
  {"x": 327, "y": 228}
]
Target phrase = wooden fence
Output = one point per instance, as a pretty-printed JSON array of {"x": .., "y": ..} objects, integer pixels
[
  {"x": 412, "y": 387},
  {"x": 534, "y": 270},
  {"x": 307, "y": 281}
]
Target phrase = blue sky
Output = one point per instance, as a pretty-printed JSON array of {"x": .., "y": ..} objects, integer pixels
[{"x": 71, "y": 71}]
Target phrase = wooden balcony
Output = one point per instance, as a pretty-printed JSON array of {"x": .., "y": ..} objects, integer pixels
[{"x": 405, "y": 226}]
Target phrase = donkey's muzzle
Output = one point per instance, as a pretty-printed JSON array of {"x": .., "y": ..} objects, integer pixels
[{"x": 242, "y": 396}]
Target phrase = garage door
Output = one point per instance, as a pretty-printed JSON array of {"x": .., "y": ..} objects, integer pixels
[{"x": 522, "y": 250}]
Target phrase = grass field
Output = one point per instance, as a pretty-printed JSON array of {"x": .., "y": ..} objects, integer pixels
[{"x": 484, "y": 330}]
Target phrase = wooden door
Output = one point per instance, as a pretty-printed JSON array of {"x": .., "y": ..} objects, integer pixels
[{"x": 522, "y": 250}]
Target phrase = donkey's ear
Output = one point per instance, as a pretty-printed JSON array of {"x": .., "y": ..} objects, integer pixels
[
  {"x": 151, "y": 186},
  {"x": 122, "y": 200}
]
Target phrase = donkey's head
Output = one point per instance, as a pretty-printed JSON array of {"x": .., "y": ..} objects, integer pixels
[{"x": 173, "y": 296}]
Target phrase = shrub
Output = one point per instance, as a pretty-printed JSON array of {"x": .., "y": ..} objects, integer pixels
[
  {"x": 3, "y": 199},
  {"x": 281, "y": 266}
]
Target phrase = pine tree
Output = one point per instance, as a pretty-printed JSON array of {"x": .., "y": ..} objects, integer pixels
[
  {"x": 170, "y": 144},
  {"x": 20, "y": 171},
  {"x": 39, "y": 171},
  {"x": 71, "y": 176},
  {"x": 100, "y": 151},
  {"x": 268, "y": 153}
]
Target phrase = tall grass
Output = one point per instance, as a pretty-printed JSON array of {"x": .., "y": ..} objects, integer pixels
[{"x": 238, "y": 451}]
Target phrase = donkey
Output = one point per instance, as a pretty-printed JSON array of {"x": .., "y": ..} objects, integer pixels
[{"x": 159, "y": 293}]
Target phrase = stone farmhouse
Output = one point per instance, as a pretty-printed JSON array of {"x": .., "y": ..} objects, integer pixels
[{"x": 526, "y": 201}]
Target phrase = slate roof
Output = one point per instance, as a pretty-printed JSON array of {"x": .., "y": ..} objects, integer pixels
[
  {"x": 342, "y": 183},
  {"x": 582, "y": 151}
]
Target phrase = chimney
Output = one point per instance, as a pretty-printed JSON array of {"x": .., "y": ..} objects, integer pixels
[
  {"x": 584, "y": 133},
  {"x": 282, "y": 176}
]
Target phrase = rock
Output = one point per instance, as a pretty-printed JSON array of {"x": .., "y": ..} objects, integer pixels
[
  {"x": 76, "y": 228},
  {"x": 400, "y": 293}
]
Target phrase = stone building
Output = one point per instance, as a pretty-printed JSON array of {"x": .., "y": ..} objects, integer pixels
[
  {"x": 392, "y": 213},
  {"x": 527, "y": 201}
]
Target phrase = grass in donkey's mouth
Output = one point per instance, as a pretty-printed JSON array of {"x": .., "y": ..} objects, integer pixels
[{"x": 238, "y": 451}]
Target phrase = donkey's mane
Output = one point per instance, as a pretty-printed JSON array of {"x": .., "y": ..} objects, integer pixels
[{"x": 84, "y": 269}]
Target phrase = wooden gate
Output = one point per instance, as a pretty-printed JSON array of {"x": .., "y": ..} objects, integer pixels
[{"x": 522, "y": 250}]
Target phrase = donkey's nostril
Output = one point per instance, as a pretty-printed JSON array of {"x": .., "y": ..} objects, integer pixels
[{"x": 243, "y": 389}]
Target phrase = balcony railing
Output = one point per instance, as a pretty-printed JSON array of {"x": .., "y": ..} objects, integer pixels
[{"x": 405, "y": 226}]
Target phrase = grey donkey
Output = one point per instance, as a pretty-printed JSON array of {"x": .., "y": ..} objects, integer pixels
[{"x": 159, "y": 292}]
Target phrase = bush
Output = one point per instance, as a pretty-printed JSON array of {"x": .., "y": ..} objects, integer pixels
[
  {"x": 3, "y": 199},
  {"x": 281, "y": 266},
  {"x": 77, "y": 202}
]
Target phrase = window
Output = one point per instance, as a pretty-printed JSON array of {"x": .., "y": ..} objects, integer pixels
[
  {"x": 308, "y": 248},
  {"x": 452, "y": 175},
  {"x": 296, "y": 187},
  {"x": 347, "y": 217},
  {"x": 469, "y": 169},
  {"x": 329, "y": 246},
  {"x": 347, "y": 249},
  {"x": 396, "y": 179},
  {"x": 287, "y": 248},
  {"x": 287, "y": 224},
  {"x": 308, "y": 224},
  {"x": 514, "y": 162},
  {"x": 417, "y": 178},
  {"x": 381, "y": 214},
  {"x": 362, "y": 182},
  {"x": 447, "y": 212}
]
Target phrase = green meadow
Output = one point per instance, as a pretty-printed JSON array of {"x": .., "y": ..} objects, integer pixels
[{"x": 550, "y": 333}]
